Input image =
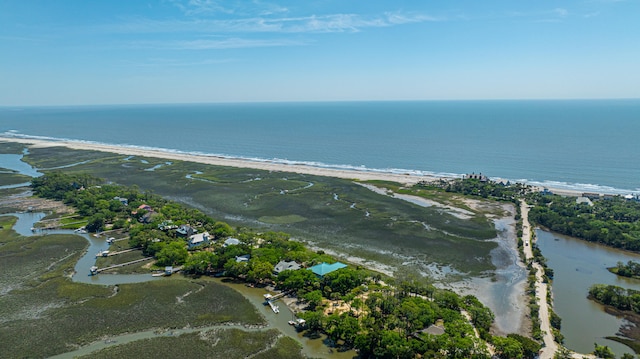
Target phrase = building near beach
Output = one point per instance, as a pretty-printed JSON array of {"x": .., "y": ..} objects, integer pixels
[
  {"x": 284, "y": 265},
  {"x": 324, "y": 268}
]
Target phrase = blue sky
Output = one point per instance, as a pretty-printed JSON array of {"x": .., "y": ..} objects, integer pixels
[{"x": 78, "y": 52}]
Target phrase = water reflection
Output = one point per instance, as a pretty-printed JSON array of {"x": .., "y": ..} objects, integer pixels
[{"x": 577, "y": 265}]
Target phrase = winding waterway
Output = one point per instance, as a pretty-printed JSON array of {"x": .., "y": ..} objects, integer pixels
[
  {"x": 310, "y": 347},
  {"x": 577, "y": 265}
]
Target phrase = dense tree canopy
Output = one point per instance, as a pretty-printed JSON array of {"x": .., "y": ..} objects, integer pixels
[{"x": 613, "y": 222}]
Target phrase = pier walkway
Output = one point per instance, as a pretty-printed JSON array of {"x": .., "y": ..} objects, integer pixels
[
  {"x": 110, "y": 254},
  {"x": 98, "y": 270}
]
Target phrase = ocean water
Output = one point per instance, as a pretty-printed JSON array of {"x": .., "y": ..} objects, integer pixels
[{"x": 578, "y": 144}]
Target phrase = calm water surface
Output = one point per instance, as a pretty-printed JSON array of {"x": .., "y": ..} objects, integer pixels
[{"x": 577, "y": 265}]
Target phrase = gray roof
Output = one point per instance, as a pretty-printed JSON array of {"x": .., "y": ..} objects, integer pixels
[
  {"x": 232, "y": 241},
  {"x": 283, "y": 265}
]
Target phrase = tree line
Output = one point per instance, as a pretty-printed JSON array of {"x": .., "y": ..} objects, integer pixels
[{"x": 613, "y": 222}]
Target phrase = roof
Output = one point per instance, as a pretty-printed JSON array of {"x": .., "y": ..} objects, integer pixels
[
  {"x": 198, "y": 238},
  {"x": 326, "y": 268},
  {"x": 284, "y": 265},
  {"x": 243, "y": 258},
  {"x": 231, "y": 241},
  {"x": 434, "y": 330}
]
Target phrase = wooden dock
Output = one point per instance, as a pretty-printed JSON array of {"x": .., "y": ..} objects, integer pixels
[
  {"x": 274, "y": 307},
  {"x": 95, "y": 271},
  {"x": 273, "y": 298},
  {"x": 110, "y": 254}
]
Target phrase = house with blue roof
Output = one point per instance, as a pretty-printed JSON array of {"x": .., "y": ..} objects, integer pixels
[{"x": 324, "y": 268}]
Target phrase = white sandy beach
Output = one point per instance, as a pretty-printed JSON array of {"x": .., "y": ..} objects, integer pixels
[
  {"x": 223, "y": 161},
  {"x": 364, "y": 175}
]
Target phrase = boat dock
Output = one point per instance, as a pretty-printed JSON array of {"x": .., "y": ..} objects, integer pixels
[
  {"x": 95, "y": 270},
  {"x": 273, "y": 298},
  {"x": 109, "y": 254},
  {"x": 274, "y": 307}
]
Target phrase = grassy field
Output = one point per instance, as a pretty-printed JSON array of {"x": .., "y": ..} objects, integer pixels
[
  {"x": 44, "y": 313},
  {"x": 13, "y": 178},
  {"x": 13, "y": 148},
  {"x": 332, "y": 213},
  {"x": 228, "y": 343}
]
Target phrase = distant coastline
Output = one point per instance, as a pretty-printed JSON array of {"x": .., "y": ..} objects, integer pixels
[
  {"x": 301, "y": 168},
  {"x": 364, "y": 175},
  {"x": 580, "y": 146}
]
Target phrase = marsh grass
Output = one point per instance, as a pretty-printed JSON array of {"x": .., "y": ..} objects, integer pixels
[
  {"x": 285, "y": 348},
  {"x": 223, "y": 343},
  {"x": 292, "y": 218},
  {"x": 44, "y": 313},
  {"x": 8, "y": 192},
  {"x": 51, "y": 157},
  {"x": 136, "y": 268},
  {"x": 13, "y": 178},
  {"x": 359, "y": 223},
  {"x": 13, "y": 148}
]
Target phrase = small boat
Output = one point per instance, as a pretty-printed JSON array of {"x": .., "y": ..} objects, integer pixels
[
  {"x": 292, "y": 322},
  {"x": 93, "y": 270}
]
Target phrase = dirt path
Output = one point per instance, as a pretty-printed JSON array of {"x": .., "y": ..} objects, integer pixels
[{"x": 550, "y": 346}]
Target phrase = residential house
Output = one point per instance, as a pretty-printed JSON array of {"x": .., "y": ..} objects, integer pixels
[
  {"x": 185, "y": 230},
  {"x": 591, "y": 196},
  {"x": 198, "y": 239},
  {"x": 284, "y": 265},
  {"x": 243, "y": 258},
  {"x": 479, "y": 176},
  {"x": 324, "y": 268},
  {"x": 231, "y": 242}
]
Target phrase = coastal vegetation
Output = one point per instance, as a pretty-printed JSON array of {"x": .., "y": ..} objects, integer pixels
[
  {"x": 298, "y": 201},
  {"x": 216, "y": 343},
  {"x": 501, "y": 191},
  {"x": 45, "y": 313},
  {"x": 630, "y": 270},
  {"x": 614, "y": 221},
  {"x": 615, "y": 296},
  {"x": 381, "y": 320},
  {"x": 335, "y": 214}
]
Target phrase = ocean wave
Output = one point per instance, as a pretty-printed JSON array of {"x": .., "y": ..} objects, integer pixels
[{"x": 580, "y": 187}]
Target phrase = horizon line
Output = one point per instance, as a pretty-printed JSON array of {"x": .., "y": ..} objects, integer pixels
[{"x": 320, "y": 101}]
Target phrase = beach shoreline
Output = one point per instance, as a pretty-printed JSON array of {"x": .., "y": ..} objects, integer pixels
[
  {"x": 406, "y": 179},
  {"x": 364, "y": 175}
]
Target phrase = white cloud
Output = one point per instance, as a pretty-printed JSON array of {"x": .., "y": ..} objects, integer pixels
[
  {"x": 561, "y": 12},
  {"x": 209, "y": 44},
  {"x": 262, "y": 24}
]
